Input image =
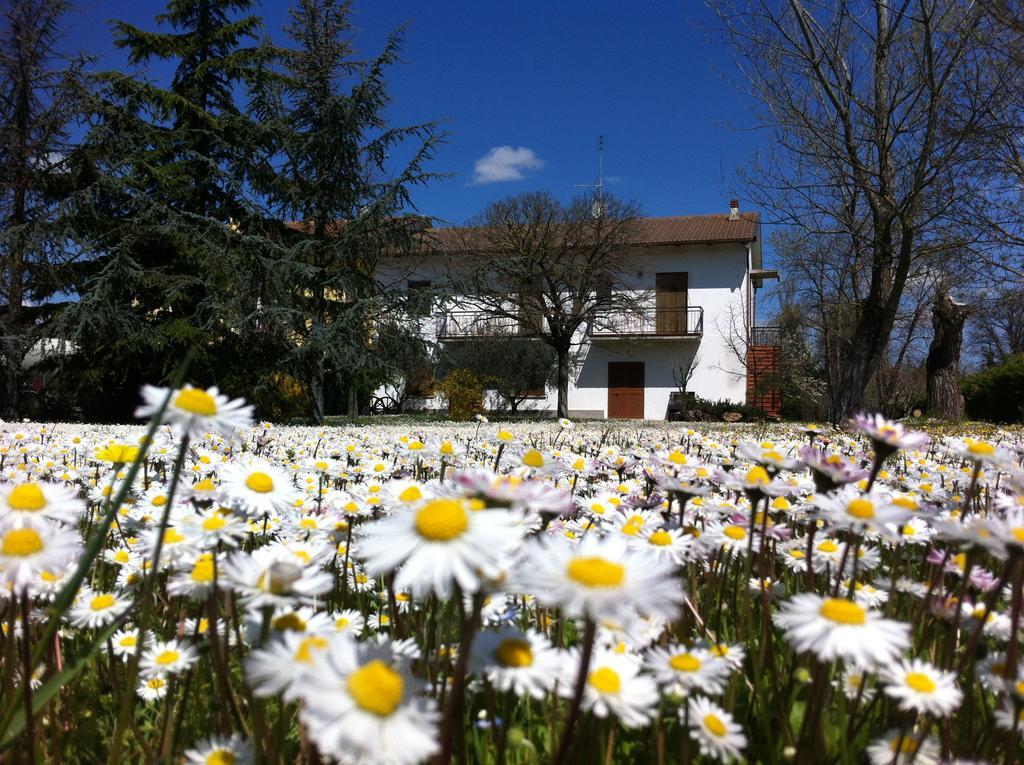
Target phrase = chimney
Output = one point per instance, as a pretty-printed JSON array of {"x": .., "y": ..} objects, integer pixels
[{"x": 734, "y": 209}]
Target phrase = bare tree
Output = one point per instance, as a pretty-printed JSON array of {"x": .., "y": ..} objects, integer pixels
[
  {"x": 534, "y": 266},
  {"x": 943, "y": 365},
  {"x": 874, "y": 107}
]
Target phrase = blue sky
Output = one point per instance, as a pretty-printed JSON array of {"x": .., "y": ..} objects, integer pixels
[{"x": 542, "y": 79}]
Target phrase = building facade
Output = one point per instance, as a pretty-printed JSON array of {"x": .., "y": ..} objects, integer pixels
[{"x": 693, "y": 327}]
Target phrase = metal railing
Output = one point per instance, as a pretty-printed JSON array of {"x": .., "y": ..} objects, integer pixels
[
  {"x": 765, "y": 336},
  {"x": 653, "y": 322},
  {"x": 456, "y": 325}
]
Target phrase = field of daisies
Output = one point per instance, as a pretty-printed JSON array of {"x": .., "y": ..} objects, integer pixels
[{"x": 202, "y": 588}]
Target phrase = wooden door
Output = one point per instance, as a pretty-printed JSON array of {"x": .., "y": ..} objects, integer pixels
[
  {"x": 626, "y": 390},
  {"x": 670, "y": 303}
]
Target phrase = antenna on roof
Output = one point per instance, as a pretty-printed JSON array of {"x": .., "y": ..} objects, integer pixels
[{"x": 598, "y": 185}]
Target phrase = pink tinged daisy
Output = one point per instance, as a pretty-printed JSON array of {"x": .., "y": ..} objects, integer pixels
[
  {"x": 615, "y": 687},
  {"x": 35, "y": 504},
  {"x": 713, "y": 728},
  {"x": 523, "y": 663},
  {"x": 361, "y": 704},
  {"x": 837, "y": 628},
  {"x": 440, "y": 543},
  {"x": 194, "y": 411},
  {"x": 600, "y": 578},
  {"x": 887, "y": 436},
  {"x": 25, "y": 553},
  {"x": 167, "y": 658},
  {"x": 920, "y": 687}
]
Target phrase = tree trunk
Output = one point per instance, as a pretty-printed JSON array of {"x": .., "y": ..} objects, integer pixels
[
  {"x": 563, "y": 382},
  {"x": 316, "y": 394},
  {"x": 943, "y": 365},
  {"x": 353, "y": 400}
]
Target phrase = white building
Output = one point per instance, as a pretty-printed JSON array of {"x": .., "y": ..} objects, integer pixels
[{"x": 701, "y": 274}]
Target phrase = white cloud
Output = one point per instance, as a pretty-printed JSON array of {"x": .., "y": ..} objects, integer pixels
[{"x": 503, "y": 163}]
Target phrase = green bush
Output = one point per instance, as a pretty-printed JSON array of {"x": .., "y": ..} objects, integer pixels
[
  {"x": 996, "y": 394},
  {"x": 464, "y": 392}
]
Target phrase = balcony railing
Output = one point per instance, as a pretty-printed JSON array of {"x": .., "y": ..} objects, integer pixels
[
  {"x": 652, "y": 322},
  {"x": 466, "y": 325},
  {"x": 765, "y": 336}
]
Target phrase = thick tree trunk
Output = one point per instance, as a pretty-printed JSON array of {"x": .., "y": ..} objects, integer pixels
[{"x": 943, "y": 365}]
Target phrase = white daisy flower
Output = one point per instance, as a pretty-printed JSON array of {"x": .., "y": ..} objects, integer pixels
[
  {"x": 615, "y": 687},
  {"x": 265, "y": 578},
  {"x": 193, "y": 411},
  {"x": 27, "y": 552},
  {"x": 220, "y": 750},
  {"x": 276, "y": 667},
  {"x": 97, "y": 609},
  {"x": 600, "y": 578},
  {"x": 167, "y": 657},
  {"x": 898, "y": 747},
  {"x": 360, "y": 703},
  {"x": 442, "y": 542},
  {"x": 713, "y": 728},
  {"x": 35, "y": 503},
  {"x": 837, "y": 628},
  {"x": 680, "y": 670},
  {"x": 918, "y": 686},
  {"x": 153, "y": 688},
  {"x": 523, "y": 663},
  {"x": 258, "y": 488}
]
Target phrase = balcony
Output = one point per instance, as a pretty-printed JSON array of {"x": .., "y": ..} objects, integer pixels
[
  {"x": 765, "y": 336},
  {"x": 651, "y": 322},
  {"x": 470, "y": 325}
]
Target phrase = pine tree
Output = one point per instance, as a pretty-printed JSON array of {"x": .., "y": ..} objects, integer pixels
[
  {"x": 173, "y": 263},
  {"x": 38, "y": 105},
  {"x": 329, "y": 170}
]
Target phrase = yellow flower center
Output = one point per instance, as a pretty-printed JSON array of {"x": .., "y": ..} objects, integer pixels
[
  {"x": 167, "y": 657},
  {"x": 101, "y": 602},
  {"x": 981, "y": 448},
  {"x": 376, "y": 688},
  {"x": 606, "y": 680},
  {"x": 172, "y": 536},
  {"x": 861, "y": 508},
  {"x": 735, "y": 532},
  {"x": 757, "y": 476},
  {"x": 290, "y": 622},
  {"x": 214, "y": 523},
  {"x": 305, "y": 653},
  {"x": 221, "y": 757},
  {"x": 442, "y": 520},
  {"x": 202, "y": 571},
  {"x": 411, "y": 494},
  {"x": 515, "y": 653},
  {"x": 660, "y": 538},
  {"x": 677, "y": 458},
  {"x": 259, "y": 482},
  {"x": 843, "y": 611},
  {"x": 128, "y": 641},
  {"x": 196, "y": 401},
  {"x": 920, "y": 682},
  {"x": 21, "y": 543},
  {"x": 828, "y": 546},
  {"x": 27, "y": 497},
  {"x": 714, "y": 725},
  {"x": 596, "y": 572},
  {"x": 533, "y": 458},
  {"x": 684, "y": 662}
]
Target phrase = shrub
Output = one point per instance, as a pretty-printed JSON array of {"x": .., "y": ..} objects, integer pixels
[
  {"x": 464, "y": 393},
  {"x": 718, "y": 408},
  {"x": 997, "y": 393}
]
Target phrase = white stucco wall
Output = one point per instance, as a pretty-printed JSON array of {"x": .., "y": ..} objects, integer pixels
[{"x": 717, "y": 282}]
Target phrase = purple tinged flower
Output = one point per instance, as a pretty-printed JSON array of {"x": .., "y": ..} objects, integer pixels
[
  {"x": 829, "y": 469},
  {"x": 888, "y": 436}
]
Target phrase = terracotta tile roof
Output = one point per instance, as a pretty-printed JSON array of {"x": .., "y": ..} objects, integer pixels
[
  {"x": 670, "y": 230},
  {"x": 675, "y": 229}
]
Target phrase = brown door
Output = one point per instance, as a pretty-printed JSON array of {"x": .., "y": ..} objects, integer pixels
[
  {"x": 626, "y": 390},
  {"x": 670, "y": 303}
]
